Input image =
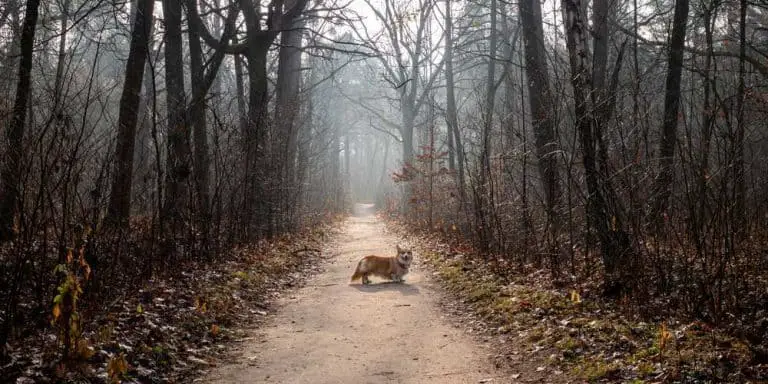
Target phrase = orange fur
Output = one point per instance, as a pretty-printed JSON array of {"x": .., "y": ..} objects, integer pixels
[{"x": 393, "y": 268}]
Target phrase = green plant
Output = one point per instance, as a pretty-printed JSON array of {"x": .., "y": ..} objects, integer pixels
[{"x": 75, "y": 272}]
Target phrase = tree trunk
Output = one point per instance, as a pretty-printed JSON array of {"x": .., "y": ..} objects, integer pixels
[
  {"x": 408, "y": 122},
  {"x": 490, "y": 97},
  {"x": 307, "y": 139},
  {"x": 451, "y": 149},
  {"x": 484, "y": 198},
  {"x": 287, "y": 109},
  {"x": 146, "y": 155},
  {"x": 708, "y": 120},
  {"x": 738, "y": 167},
  {"x": 541, "y": 104},
  {"x": 257, "y": 204},
  {"x": 178, "y": 162},
  {"x": 120, "y": 198},
  {"x": 336, "y": 179},
  {"x": 663, "y": 183},
  {"x": 600, "y": 46},
  {"x": 347, "y": 172},
  {"x": 10, "y": 176},
  {"x": 601, "y": 213},
  {"x": 58, "y": 89},
  {"x": 198, "y": 116},
  {"x": 240, "y": 89},
  {"x": 452, "y": 119}
]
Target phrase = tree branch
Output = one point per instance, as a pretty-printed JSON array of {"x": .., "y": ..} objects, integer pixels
[{"x": 755, "y": 62}]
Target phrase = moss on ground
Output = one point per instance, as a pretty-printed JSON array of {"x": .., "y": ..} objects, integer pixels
[{"x": 592, "y": 340}]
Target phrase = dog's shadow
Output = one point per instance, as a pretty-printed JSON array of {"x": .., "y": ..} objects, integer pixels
[{"x": 403, "y": 288}]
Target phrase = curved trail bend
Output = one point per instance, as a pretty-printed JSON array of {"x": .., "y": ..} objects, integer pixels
[{"x": 331, "y": 332}]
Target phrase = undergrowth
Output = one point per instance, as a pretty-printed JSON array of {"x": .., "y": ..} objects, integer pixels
[
  {"x": 592, "y": 339},
  {"x": 175, "y": 327}
]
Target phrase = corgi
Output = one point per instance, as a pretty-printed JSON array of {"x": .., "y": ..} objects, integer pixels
[{"x": 393, "y": 268}]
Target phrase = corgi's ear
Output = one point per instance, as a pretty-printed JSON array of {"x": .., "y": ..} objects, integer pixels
[{"x": 398, "y": 248}]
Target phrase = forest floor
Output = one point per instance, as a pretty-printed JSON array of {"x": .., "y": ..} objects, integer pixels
[
  {"x": 175, "y": 327},
  {"x": 283, "y": 311},
  {"x": 564, "y": 328},
  {"x": 331, "y": 331}
]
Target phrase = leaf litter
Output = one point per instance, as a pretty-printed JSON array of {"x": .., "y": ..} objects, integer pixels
[
  {"x": 174, "y": 329},
  {"x": 575, "y": 334}
]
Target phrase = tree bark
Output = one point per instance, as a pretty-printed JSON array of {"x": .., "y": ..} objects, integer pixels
[
  {"x": 287, "y": 108},
  {"x": 240, "y": 89},
  {"x": 198, "y": 115},
  {"x": 602, "y": 213},
  {"x": 484, "y": 192},
  {"x": 10, "y": 176},
  {"x": 490, "y": 95},
  {"x": 178, "y": 162},
  {"x": 708, "y": 120},
  {"x": 120, "y": 198},
  {"x": 336, "y": 178},
  {"x": 452, "y": 119},
  {"x": 256, "y": 202},
  {"x": 738, "y": 167},
  {"x": 663, "y": 183},
  {"x": 58, "y": 89},
  {"x": 541, "y": 104}
]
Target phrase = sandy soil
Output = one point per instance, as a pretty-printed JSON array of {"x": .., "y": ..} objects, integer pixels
[{"x": 333, "y": 332}]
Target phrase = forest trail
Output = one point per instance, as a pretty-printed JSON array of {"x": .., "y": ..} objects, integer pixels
[{"x": 332, "y": 332}]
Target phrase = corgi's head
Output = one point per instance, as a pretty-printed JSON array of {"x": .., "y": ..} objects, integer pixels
[{"x": 404, "y": 255}]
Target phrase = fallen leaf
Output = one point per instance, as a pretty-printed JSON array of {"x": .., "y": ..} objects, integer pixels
[{"x": 197, "y": 360}]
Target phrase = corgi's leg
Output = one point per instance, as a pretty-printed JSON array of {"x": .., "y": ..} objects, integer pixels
[{"x": 365, "y": 279}]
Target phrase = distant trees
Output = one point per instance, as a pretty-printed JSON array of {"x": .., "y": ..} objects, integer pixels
[{"x": 409, "y": 64}]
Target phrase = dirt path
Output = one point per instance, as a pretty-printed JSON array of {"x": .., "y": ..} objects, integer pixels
[{"x": 332, "y": 332}]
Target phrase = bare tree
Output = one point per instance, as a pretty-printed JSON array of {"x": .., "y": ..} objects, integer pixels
[
  {"x": 452, "y": 119},
  {"x": 287, "y": 108},
  {"x": 738, "y": 167},
  {"x": 198, "y": 116},
  {"x": 179, "y": 154},
  {"x": 603, "y": 208},
  {"x": 120, "y": 197},
  {"x": 541, "y": 104},
  {"x": 668, "y": 140},
  {"x": 405, "y": 31},
  {"x": 10, "y": 177},
  {"x": 484, "y": 201}
]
